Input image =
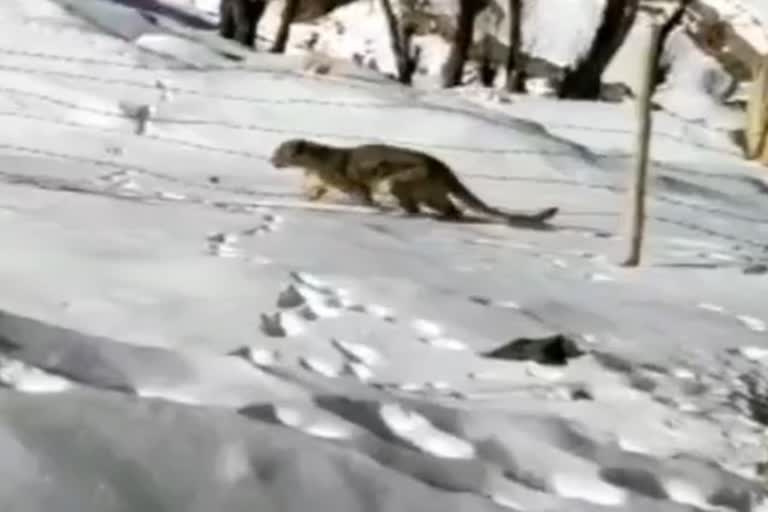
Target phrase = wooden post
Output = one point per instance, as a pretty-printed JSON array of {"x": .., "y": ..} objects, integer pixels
[
  {"x": 640, "y": 177},
  {"x": 756, "y": 132}
]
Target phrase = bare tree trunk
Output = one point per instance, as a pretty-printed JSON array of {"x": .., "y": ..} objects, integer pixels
[
  {"x": 515, "y": 64},
  {"x": 411, "y": 62},
  {"x": 290, "y": 11},
  {"x": 465, "y": 22},
  {"x": 238, "y": 20},
  {"x": 401, "y": 44},
  {"x": 488, "y": 67},
  {"x": 583, "y": 82},
  {"x": 666, "y": 29},
  {"x": 659, "y": 36}
]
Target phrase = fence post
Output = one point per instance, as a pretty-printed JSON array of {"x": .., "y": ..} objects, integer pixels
[
  {"x": 640, "y": 175},
  {"x": 756, "y": 132}
]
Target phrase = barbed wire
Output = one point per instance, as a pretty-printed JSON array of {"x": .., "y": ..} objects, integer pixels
[
  {"x": 168, "y": 178},
  {"x": 304, "y": 101},
  {"x": 92, "y": 61},
  {"x": 64, "y": 185},
  {"x": 124, "y": 166},
  {"x": 710, "y": 232},
  {"x": 292, "y": 131},
  {"x": 151, "y": 136},
  {"x": 621, "y": 189},
  {"x": 403, "y": 105},
  {"x": 265, "y": 157},
  {"x": 270, "y": 129},
  {"x": 280, "y": 131},
  {"x": 158, "y": 85}
]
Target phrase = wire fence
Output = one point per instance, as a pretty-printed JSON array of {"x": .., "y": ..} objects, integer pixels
[
  {"x": 410, "y": 104},
  {"x": 344, "y": 136}
]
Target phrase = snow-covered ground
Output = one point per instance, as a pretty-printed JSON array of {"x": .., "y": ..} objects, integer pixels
[{"x": 183, "y": 332}]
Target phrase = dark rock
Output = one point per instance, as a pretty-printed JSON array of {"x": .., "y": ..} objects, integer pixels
[
  {"x": 581, "y": 394},
  {"x": 756, "y": 269},
  {"x": 550, "y": 350}
]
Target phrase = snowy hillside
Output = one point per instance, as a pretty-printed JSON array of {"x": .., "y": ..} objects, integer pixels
[{"x": 182, "y": 331}]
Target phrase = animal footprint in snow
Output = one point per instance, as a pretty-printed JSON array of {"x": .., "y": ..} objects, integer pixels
[
  {"x": 503, "y": 304},
  {"x": 258, "y": 356},
  {"x": 311, "y": 304},
  {"x": 331, "y": 298},
  {"x": 752, "y": 323},
  {"x": 270, "y": 222},
  {"x": 426, "y": 328},
  {"x": 294, "y": 418},
  {"x": 223, "y": 245},
  {"x": 360, "y": 358},
  {"x": 23, "y": 377},
  {"x": 377, "y": 310},
  {"x": 505, "y": 501},
  {"x": 431, "y": 333},
  {"x": 319, "y": 366},
  {"x": 442, "y": 387},
  {"x": 170, "y": 196},
  {"x": 282, "y": 324},
  {"x": 359, "y": 370},
  {"x": 683, "y": 373},
  {"x": 411, "y": 387},
  {"x": 598, "y": 277},
  {"x": 754, "y": 353},
  {"x": 415, "y": 429},
  {"x": 290, "y": 297},
  {"x": 311, "y": 281},
  {"x": 122, "y": 180},
  {"x": 307, "y": 299},
  {"x": 587, "y": 487},
  {"x": 314, "y": 311},
  {"x": 317, "y": 284},
  {"x": 229, "y": 207},
  {"x": 358, "y": 352},
  {"x": 711, "y": 307}
]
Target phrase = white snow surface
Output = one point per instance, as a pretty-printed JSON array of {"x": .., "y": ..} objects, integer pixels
[{"x": 182, "y": 331}]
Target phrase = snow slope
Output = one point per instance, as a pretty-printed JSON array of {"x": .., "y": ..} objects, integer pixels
[{"x": 182, "y": 331}]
